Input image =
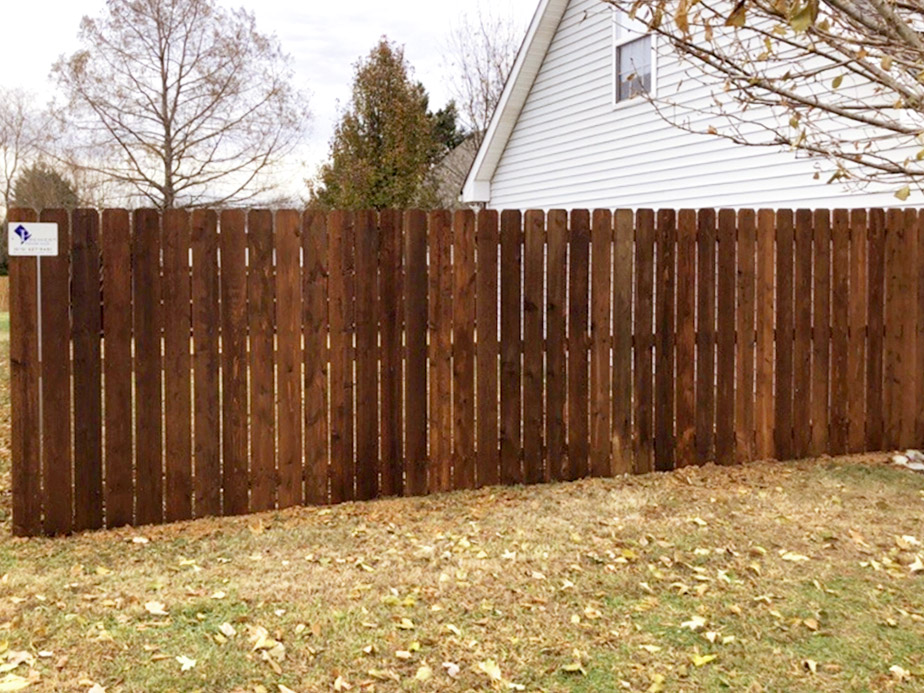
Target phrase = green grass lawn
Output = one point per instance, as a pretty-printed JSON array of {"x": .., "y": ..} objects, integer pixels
[{"x": 770, "y": 577}]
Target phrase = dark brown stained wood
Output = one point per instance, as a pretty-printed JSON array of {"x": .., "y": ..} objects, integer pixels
[
  {"x": 261, "y": 317},
  {"x": 206, "y": 325},
  {"x": 601, "y": 295},
  {"x": 533, "y": 345},
  {"x": 644, "y": 306},
  {"x": 875, "y": 307},
  {"x": 339, "y": 229},
  {"x": 440, "y": 353},
  {"x": 802, "y": 342},
  {"x": 686, "y": 337},
  {"x": 895, "y": 306},
  {"x": 664, "y": 341},
  {"x": 744, "y": 384},
  {"x": 841, "y": 299},
  {"x": 233, "y": 244},
  {"x": 821, "y": 333},
  {"x": 578, "y": 345},
  {"x": 623, "y": 246},
  {"x": 918, "y": 234},
  {"x": 725, "y": 340},
  {"x": 367, "y": 356},
  {"x": 391, "y": 318},
  {"x": 88, "y": 394},
  {"x": 57, "y": 459},
  {"x": 463, "y": 364},
  {"x": 416, "y": 307},
  {"x": 511, "y": 346},
  {"x": 177, "y": 366},
  {"x": 764, "y": 356},
  {"x": 705, "y": 336},
  {"x": 148, "y": 316},
  {"x": 314, "y": 278},
  {"x": 488, "y": 473},
  {"x": 909, "y": 291},
  {"x": 117, "y": 367},
  {"x": 783, "y": 439},
  {"x": 556, "y": 380},
  {"x": 24, "y": 390},
  {"x": 856, "y": 351},
  {"x": 289, "y": 358}
]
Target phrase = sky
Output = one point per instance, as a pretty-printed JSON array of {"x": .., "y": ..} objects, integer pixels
[{"x": 325, "y": 38}]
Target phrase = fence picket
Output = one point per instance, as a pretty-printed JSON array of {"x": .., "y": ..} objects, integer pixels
[
  {"x": 416, "y": 307},
  {"x": 261, "y": 312},
  {"x": 556, "y": 380},
  {"x": 744, "y": 386},
  {"x": 705, "y": 336},
  {"x": 664, "y": 340},
  {"x": 821, "y": 333},
  {"x": 623, "y": 242},
  {"x": 367, "y": 356},
  {"x": 235, "y": 472},
  {"x": 644, "y": 340},
  {"x": 725, "y": 339},
  {"x": 24, "y": 390},
  {"x": 601, "y": 295},
  {"x": 765, "y": 297},
  {"x": 148, "y": 315},
  {"x": 391, "y": 318},
  {"x": 783, "y": 412},
  {"x": 463, "y": 363},
  {"x": 578, "y": 345},
  {"x": 488, "y": 473},
  {"x": 177, "y": 366},
  {"x": 315, "y": 293},
  {"x": 686, "y": 338},
  {"x": 857, "y": 333},
  {"x": 88, "y": 395},
  {"x": 511, "y": 346},
  {"x": 533, "y": 346},
  {"x": 841, "y": 299},
  {"x": 206, "y": 399}
]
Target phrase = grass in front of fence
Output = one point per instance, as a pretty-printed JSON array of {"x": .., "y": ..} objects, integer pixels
[{"x": 801, "y": 577}]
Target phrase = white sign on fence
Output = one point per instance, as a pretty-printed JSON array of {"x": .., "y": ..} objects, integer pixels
[{"x": 32, "y": 239}]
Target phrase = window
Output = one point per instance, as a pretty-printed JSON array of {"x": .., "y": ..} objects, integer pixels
[
  {"x": 632, "y": 59},
  {"x": 633, "y": 68}
]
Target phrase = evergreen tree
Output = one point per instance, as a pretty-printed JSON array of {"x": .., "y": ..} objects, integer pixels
[
  {"x": 40, "y": 186},
  {"x": 387, "y": 139}
]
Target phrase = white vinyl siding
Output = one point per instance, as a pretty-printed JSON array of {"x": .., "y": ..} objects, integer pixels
[{"x": 571, "y": 147}]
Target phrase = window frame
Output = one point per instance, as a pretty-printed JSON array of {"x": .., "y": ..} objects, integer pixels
[{"x": 623, "y": 38}]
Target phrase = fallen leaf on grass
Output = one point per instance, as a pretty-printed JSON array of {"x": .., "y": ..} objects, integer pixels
[
  {"x": 703, "y": 660},
  {"x": 575, "y": 668},
  {"x": 97, "y": 689},
  {"x": 285, "y": 689},
  {"x": 185, "y": 663},
  {"x": 341, "y": 685},
  {"x": 452, "y": 669},
  {"x": 650, "y": 648},
  {"x": 811, "y": 624},
  {"x": 490, "y": 669},
  {"x": 156, "y": 609},
  {"x": 694, "y": 624},
  {"x": 810, "y": 665},
  {"x": 425, "y": 673},
  {"x": 13, "y": 682},
  {"x": 917, "y": 566},
  {"x": 793, "y": 557},
  {"x": 384, "y": 675},
  {"x": 899, "y": 673}
]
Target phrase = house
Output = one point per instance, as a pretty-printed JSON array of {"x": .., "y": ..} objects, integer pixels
[{"x": 571, "y": 131}]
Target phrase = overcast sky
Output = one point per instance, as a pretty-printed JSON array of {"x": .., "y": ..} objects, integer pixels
[{"x": 325, "y": 38}]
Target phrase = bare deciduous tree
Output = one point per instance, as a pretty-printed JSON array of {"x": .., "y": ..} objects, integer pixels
[
  {"x": 480, "y": 51},
  {"x": 843, "y": 79},
  {"x": 22, "y": 137},
  {"x": 182, "y": 101}
]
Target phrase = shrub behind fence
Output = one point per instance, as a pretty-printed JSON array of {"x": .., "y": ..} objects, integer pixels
[{"x": 204, "y": 363}]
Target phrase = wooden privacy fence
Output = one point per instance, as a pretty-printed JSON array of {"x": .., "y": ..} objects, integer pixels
[{"x": 204, "y": 363}]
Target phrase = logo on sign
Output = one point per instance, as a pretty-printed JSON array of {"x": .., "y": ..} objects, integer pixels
[{"x": 23, "y": 233}]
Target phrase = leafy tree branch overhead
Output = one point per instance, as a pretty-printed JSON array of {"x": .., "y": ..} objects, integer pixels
[
  {"x": 181, "y": 101},
  {"x": 844, "y": 78}
]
